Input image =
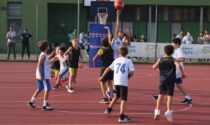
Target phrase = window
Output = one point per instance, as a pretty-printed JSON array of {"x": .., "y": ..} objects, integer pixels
[
  {"x": 14, "y": 9},
  {"x": 60, "y": 27},
  {"x": 144, "y": 13},
  {"x": 163, "y": 14},
  {"x": 175, "y": 14},
  {"x": 206, "y": 14}
]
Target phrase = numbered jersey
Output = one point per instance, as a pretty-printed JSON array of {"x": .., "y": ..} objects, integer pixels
[
  {"x": 121, "y": 66},
  {"x": 116, "y": 44}
]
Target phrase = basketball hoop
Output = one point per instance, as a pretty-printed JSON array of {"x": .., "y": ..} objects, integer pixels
[{"x": 102, "y": 18}]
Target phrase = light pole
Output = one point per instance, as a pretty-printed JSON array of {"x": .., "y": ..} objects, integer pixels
[{"x": 78, "y": 18}]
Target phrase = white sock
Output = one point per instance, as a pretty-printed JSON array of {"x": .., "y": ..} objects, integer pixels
[
  {"x": 188, "y": 97},
  {"x": 45, "y": 102},
  {"x": 33, "y": 99}
]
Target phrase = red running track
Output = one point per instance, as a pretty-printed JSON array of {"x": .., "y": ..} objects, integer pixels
[{"x": 17, "y": 84}]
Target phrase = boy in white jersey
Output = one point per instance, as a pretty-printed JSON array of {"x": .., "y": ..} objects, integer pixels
[
  {"x": 63, "y": 66},
  {"x": 120, "y": 38},
  {"x": 43, "y": 76},
  {"x": 123, "y": 70},
  {"x": 179, "y": 56}
]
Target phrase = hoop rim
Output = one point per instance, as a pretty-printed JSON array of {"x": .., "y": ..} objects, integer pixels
[{"x": 102, "y": 14}]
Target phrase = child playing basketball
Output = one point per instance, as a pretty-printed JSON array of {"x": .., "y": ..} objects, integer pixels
[
  {"x": 167, "y": 66},
  {"x": 55, "y": 67},
  {"x": 61, "y": 57},
  {"x": 123, "y": 70},
  {"x": 106, "y": 54},
  {"x": 74, "y": 53},
  {"x": 179, "y": 56},
  {"x": 43, "y": 76},
  {"x": 120, "y": 38}
]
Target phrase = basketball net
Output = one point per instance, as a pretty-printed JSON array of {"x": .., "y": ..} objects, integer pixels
[{"x": 102, "y": 18}]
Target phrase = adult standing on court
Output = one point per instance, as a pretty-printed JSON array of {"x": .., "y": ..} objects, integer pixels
[
  {"x": 25, "y": 42},
  {"x": 11, "y": 35}
]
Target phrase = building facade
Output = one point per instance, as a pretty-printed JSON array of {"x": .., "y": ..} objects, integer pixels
[{"x": 158, "y": 20}]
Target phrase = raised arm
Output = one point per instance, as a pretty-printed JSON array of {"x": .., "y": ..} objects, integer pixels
[
  {"x": 109, "y": 34},
  {"x": 117, "y": 28},
  {"x": 155, "y": 66}
]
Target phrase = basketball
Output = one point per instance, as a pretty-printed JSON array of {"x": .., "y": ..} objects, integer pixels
[{"x": 119, "y": 4}]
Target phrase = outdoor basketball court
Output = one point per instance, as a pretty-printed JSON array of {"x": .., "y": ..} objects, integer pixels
[{"x": 17, "y": 83}]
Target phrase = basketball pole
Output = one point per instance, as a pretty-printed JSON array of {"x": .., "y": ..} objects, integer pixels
[
  {"x": 78, "y": 18},
  {"x": 37, "y": 19},
  {"x": 156, "y": 21}
]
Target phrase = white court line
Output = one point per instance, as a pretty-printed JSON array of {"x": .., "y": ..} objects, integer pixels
[{"x": 204, "y": 90}]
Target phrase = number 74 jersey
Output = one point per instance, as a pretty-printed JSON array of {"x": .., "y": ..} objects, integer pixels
[{"x": 121, "y": 66}]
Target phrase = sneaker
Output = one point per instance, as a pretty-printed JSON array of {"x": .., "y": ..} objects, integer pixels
[
  {"x": 104, "y": 101},
  {"x": 70, "y": 90},
  {"x": 169, "y": 115},
  {"x": 47, "y": 107},
  {"x": 31, "y": 104},
  {"x": 108, "y": 110},
  {"x": 157, "y": 114},
  {"x": 187, "y": 101},
  {"x": 155, "y": 97},
  {"x": 108, "y": 94},
  {"x": 124, "y": 119}
]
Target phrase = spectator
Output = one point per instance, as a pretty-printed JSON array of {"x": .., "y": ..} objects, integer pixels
[
  {"x": 86, "y": 42},
  {"x": 81, "y": 40},
  {"x": 206, "y": 37},
  {"x": 143, "y": 39},
  {"x": 200, "y": 38},
  {"x": 180, "y": 35},
  {"x": 25, "y": 42},
  {"x": 174, "y": 36},
  {"x": 188, "y": 39},
  {"x": 135, "y": 38},
  {"x": 11, "y": 35}
]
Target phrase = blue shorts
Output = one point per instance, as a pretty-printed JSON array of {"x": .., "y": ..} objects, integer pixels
[
  {"x": 179, "y": 80},
  {"x": 43, "y": 85},
  {"x": 63, "y": 72}
]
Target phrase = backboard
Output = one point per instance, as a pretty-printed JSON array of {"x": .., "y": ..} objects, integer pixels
[
  {"x": 87, "y": 3},
  {"x": 102, "y": 7}
]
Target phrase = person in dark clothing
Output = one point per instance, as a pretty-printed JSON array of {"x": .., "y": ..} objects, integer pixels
[
  {"x": 106, "y": 54},
  {"x": 25, "y": 42},
  {"x": 74, "y": 53},
  {"x": 167, "y": 67}
]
